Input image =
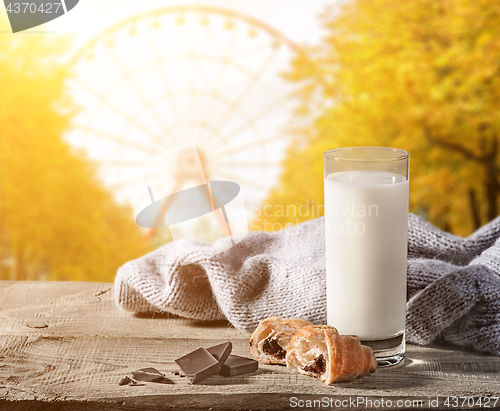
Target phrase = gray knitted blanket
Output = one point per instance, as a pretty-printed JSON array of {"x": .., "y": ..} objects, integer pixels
[{"x": 453, "y": 282}]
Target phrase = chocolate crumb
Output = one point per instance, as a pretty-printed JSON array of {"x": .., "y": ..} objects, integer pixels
[
  {"x": 39, "y": 325},
  {"x": 148, "y": 375},
  {"x": 318, "y": 366},
  {"x": 128, "y": 381},
  {"x": 272, "y": 347},
  {"x": 102, "y": 292},
  {"x": 124, "y": 381}
]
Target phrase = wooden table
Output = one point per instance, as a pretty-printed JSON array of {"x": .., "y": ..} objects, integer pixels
[{"x": 65, "y": 346}]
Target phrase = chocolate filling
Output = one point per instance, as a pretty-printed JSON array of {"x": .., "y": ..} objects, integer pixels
[
  {"x": 272, "y": 347},
  {"x": 318, "y": 366}
]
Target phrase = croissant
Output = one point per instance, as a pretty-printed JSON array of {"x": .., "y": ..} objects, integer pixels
[
  {"x": 269, "y": 342},
  {"x": 321, "y": 352}
]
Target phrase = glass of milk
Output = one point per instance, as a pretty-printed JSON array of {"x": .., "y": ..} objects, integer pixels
[{"x": 366, "y": 230}]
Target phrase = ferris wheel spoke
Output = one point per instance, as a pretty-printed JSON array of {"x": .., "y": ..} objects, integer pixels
[
  {"x": 238, "y": 179},
  {"x": 251, "y": 145},
  {"x": 174, "y": 108},
  {"x": 193, "y": 101},
  {"x": 250, "y": 52},
  {"x": 221, "y": 74},
  {"x": 113, "y": 138},
  {"x": 251, "y": 121},
  {"x": 100, "y": 97},
  {"x": 205, "y": 80},
  {"x": 140, "y": 93},
  {"x": 215, "y": 44},
  {"x": 245, "y": 164},
  {"x": 198, "y": 124},
  {"x": 124, "y": 184},
  {"x": 248, "y": 88},
  {"x": 201, "y": 70},
  {"x": 130, "y": 163}
]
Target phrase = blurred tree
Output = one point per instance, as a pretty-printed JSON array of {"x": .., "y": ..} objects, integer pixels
[
  {"x": 55, "y": 216},
  {"x": 421, "y": 75}
]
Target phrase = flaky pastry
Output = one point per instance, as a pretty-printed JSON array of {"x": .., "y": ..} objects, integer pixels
[
  {"x": 269, "y": 342},
  {"x": 319, "y": 351}
]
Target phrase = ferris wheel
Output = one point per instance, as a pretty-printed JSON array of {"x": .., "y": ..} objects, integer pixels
[{"x": 184, "y": 75}]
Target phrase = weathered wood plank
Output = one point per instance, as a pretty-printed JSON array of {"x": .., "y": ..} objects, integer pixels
[
  {"x": 88, "y": 309},
  {"x": 85, "y": 345}
]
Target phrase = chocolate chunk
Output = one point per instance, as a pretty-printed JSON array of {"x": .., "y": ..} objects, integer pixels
[
  {"x": 221, "y": 351},
  {"x": 272, "y": 347},
  {"x": 127, "y": 381},
  {"x": 236, "y": 365},
  {"x": 318, "y": 366},
  {"x": 198, "y": 365},
  {"x": 148, "y": 375},
  {"x": 37, "y": 325}
]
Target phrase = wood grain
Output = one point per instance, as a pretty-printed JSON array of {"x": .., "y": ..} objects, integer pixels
[{"x": 65, "y": 346}]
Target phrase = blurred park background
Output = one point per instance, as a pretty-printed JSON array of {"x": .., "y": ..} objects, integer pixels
[{"x": 77, "y": 111}]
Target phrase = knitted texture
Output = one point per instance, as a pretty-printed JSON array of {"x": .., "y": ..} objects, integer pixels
[{"x": 453, "y": 291}]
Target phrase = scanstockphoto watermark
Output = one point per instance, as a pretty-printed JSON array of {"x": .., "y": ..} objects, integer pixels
[
  {"x": 291, "y": 212},
  {"x": 24, "y": 15},
  {"x": 356, "y": 402},
  {"x": 349, "y": 218},
  {"x": 364, "y": 402},
  {"x": 342, "y": 219}
]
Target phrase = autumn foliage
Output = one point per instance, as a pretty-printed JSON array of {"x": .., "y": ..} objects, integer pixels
[
  {"x": 57, "y": 221},
  {"x": 421, "y": 75}
]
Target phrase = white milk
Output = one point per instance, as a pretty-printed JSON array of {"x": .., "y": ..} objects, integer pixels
[{"x": 366, "y": 223}]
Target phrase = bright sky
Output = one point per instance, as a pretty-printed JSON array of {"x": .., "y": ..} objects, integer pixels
[
  {"x": 295, "y": 18},
  {"x": 125, "y": 98}
]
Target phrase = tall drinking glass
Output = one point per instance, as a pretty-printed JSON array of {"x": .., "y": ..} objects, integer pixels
[{"x": 366, "y": 230}]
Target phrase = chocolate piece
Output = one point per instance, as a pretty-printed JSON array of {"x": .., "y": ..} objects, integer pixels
[
  {"x": 272, "y": 347},
  {"x": 148, "y": 375},
  {"x": 236, "y": 365},
  {"x": 318, "y": 366},
  {"x": 221, "y": 351},
  {"x": 198, "y": 365},
  {"x": 37, "y": 325},
  {"x": 125, "y": 381},
  {"x": 128, "y": 381}
]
